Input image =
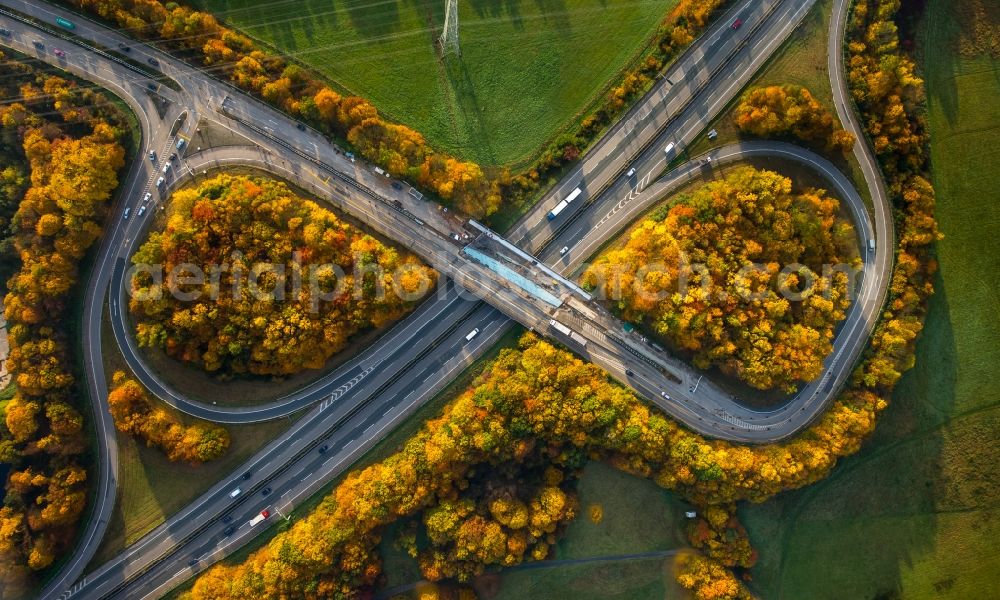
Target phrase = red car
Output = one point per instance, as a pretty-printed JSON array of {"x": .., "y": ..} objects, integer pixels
[
  {"x": 737, "y": 23},
  {"x": 58, "y": 53}
]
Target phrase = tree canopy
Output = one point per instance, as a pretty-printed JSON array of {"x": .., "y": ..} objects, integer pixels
[
  {"x": 58, "y": 168},
  {"x": 707, "y": 276},
  {"x": 253, "y": 317},
  {"x": 781, "y": 110}
]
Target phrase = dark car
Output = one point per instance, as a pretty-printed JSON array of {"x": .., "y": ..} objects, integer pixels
[
  {"x": 265, "y": 491},
  {"x": 397, "y": 186},
  {"x": 229, "y": 530},
  {"x": 151, "y": 86},
  {"x": 173, "y": 156},
  {"x": 247, "y": 475},
  {"x": 737, "y": 23},
  {"x": 629, "y": 372},
  {"x": 323, "y": 449},
  {"x": 192, "y": 562},
  {"x": 124, "y": 48},
  {"x": 300, "y": 126},
  {"x": 227, "y": 518},
  {"x": 4, "y": 32},
  {"x": 153, "y": 62}
]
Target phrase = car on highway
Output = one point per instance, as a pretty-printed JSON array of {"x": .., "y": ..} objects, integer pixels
[
  {"x": 665, "y": 395},
  {"x": 147, "y": 197},
  {"x": 38, "y": 44},
  {"x": 265, "y": 491},
  {"x": 227, "y": 518},
  {"x": 192, "y": 562},
  {"x": 472, "y": 334},
  {"x": 59, "y": 53},
  {"x": 397, "y": 186},
  {"x": 173, "y": 156},
  {"x": 152, "y": 156},
  {"x": 563, "y": 250},
  {"x": 65, "y": 23},
  {"x": 737, "y": 24},
  {"x": 142, "y": 209},
  {"x": 124, "y": 48},
  {"x": 247, "y": 475},
  {"x": 324, "y": 448},
  {"x": 181, "y": 143},
  {"x": 669, "y": 149},
  {"x": 260, "y": 517},
  {"x": 159, "y": 181},
  {"x": 152, "y": 86},
  {"x": 629, "y": 372},
  {"x": 300, "y": 126},
  {"x": 4, "y": 32},
  {"x": 229, "y": 530},
  {"x": 631, "y": 173},
  {"x": 166, "y": 167},
  {"x": 153, "y": 62},
  {"x": 235, "y": 493},
  {"x": 125, "y": 214}
]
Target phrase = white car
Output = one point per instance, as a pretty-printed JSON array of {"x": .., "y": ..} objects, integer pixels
[
  {"x": 127, "y": 209},
  {"x": 235, "y": 493},
  {"x": 147, "y": 197},
  {"x": 160, "y": 181},
  {"x": 563, "y": 250},
  {"x": 142, "y": 209},
  {"x": 631, "y": 173},
  {"x": 472, "y": 334}
]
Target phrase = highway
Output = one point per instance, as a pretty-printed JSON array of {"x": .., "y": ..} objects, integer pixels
[{"x": 360, "y": 394}]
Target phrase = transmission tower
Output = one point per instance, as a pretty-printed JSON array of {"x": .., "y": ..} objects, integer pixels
[{"x": 449, "y": 37}]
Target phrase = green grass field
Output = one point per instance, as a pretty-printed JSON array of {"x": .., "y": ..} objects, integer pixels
[
  {"x": 916, "y": 514},
  {"x": 527, "y": 69}
]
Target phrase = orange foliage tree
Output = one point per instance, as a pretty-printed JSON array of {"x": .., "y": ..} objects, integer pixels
[
  {"x": 276, "y": 304},
  {"x": 137, "y": 415},
  {"x": 708, "y": 276},
  {"x": 65, "y": 139},
  {"x": 781, "y": 110}
]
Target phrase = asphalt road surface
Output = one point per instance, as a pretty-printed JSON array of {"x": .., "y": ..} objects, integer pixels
[{"x": 353, "y": 407}]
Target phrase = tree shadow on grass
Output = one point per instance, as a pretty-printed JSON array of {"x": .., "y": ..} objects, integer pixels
[
  {"x": 373, "y": 19},
  {"x": 876, "y": 515}
]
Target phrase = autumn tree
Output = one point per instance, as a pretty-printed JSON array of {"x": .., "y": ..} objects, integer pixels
[
  {"x": 783, "y": 110},
  {"x": 713, "y": 278},
  {"x": 292, "y": 282},
  {"x": 58, "y": 168},
  {"x": 137, "y": 415}
]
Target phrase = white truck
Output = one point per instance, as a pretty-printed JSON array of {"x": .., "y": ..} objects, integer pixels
[{"x": 260, "y": 517}]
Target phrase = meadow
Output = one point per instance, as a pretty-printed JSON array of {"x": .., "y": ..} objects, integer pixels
[{"x": 527, "y": 70}]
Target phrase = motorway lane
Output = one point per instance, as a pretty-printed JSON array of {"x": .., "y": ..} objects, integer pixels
[
  {"x": 263, "y": 114},
  {"x": 679, "y": 106},
  {"x": 292, "y": 466},
  {"x": 718, "y": 410},
  {"x": 130, "y": 87}
]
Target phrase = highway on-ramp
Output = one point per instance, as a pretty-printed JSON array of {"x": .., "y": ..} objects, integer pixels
[{"x": 711, "y": 73}]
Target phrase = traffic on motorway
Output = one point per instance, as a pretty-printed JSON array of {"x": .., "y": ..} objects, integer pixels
[{"x": 352, "y": 407}]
